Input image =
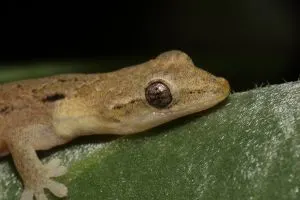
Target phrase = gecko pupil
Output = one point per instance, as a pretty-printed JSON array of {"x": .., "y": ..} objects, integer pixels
[{"x": 158, "y": 95}]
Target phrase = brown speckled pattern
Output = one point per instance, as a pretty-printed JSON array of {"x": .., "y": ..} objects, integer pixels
[{"x": 39, "y": 114}]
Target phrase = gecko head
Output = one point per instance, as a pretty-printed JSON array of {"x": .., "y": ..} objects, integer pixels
[{"x": 160, "y": 90}]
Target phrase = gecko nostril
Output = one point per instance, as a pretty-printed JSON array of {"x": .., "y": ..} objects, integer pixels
[
  {"x": 224, "y": 84},
  {"x": 223, "y": 81}
]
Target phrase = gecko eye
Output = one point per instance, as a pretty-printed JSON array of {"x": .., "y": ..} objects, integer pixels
[{"x": 158, "y": 94}]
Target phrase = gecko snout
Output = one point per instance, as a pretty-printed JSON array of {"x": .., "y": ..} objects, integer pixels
[{"x": 224, "y": 84}]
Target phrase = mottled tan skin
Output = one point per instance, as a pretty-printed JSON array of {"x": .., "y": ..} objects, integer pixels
[{"x": 43, "y": 113}]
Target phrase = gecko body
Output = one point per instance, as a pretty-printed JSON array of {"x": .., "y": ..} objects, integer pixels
[{"x": 39, "y": 114}]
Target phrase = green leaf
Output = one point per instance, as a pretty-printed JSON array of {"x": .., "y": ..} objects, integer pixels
[{"x": 248, "y": 147}]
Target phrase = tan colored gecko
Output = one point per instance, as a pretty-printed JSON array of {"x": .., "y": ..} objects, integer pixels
[{"x": 39, "y": 114}]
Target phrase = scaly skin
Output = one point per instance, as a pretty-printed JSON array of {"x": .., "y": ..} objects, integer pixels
[{"x": 39, "y": 114}]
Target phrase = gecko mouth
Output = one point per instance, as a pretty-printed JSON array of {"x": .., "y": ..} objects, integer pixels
[{"x": 211, "y": 98}]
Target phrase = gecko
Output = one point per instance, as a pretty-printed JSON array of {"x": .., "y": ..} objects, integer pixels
[{"x": 39, "y": 114}]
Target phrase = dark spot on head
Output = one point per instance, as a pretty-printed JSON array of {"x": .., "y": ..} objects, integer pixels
[
  {"x": 54, "y": 97},
  {"x": 119, "y": 106},
  {"x": 34, "y": 90},
  {"x": 200, "y": 91},
  {"x": 116, "y": 107},
  {"x": 5, "y": 109},
  {"x": 133, "y": 101},
  {"x": 2, "y": 110},
  {"x": 62, "y": 80},
  {"x": 19, "y": 86},
  {"x": 75, "y": 79}
]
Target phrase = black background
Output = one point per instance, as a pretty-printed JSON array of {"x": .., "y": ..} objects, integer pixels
[{"x": 249, "y": 42}]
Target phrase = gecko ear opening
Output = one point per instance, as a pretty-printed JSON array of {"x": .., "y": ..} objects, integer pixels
[{"x": 158, "y": 95}]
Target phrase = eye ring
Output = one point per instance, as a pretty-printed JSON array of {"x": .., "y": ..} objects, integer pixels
[{"x": 158, "y": 94}]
